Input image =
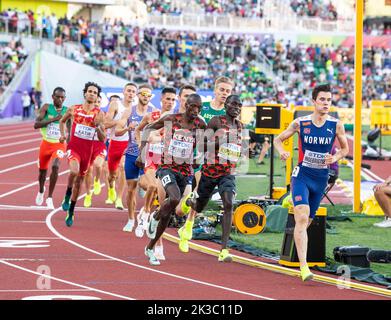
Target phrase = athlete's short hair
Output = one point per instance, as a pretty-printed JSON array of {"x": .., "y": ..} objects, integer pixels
[
  {"x": 131, "y": 84},
  {"x": 168, "y": 90},
  {"x": 114, "y": 96},
  {"x": 91, "y": 84},
  {"x": 187, "y": 87},
  {"x": 146, "y": 86},
  {"x": 320, "y": 88},
  {"x": 58, "y": 89},
  {"x": 224, "y": 79}
]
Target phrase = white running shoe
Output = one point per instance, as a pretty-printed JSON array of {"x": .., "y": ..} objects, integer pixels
[
  {"x": 151, "y": 257},
  {"x": 49, "y": 203},
  {"x": 158, "y": 251},
  {"x": 152, "y": 227},
  {"x": 129, "y": 226},
  {"x": 384, "y": 224},
  {"x": 39, "y": 198}
]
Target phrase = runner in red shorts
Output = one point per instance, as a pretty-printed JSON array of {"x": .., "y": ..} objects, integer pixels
[
  {"x": 51, "y": 150},
  {"x": 87, "y": 120},
  {"x": 96, "y": 164}
]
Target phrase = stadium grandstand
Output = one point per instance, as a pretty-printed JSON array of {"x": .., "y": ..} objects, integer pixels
[
  {"x": 233, "y": 65},
  {"x": 267, "y": 66}
]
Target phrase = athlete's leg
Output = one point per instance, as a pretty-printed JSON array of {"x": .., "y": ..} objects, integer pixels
[
  {"x": 53, "y": 176},
  {"x": 382, "y": 196},
  {"x": 74, "y": 168},
  {"x": 164, "y": 213},
  {"x": 98, "y": 168},
  {"x": 88, "y": 185},
  {"x": 121, "y": 184},
  {"x": 301, "y": 210}
]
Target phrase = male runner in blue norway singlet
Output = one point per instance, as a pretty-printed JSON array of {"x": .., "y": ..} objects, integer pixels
[{"x": 317, "y": 133}]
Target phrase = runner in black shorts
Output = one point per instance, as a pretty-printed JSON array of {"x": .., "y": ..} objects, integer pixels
[
  {"x": 181, "y": 132},
  {"x": 224, "y": 151}
]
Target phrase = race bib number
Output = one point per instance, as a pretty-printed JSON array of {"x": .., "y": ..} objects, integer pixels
[
  {"x": 53, "y": 131},
  {"x": 230, "y": 152},
  {"x": 314, "y": 160},
  {"x": 156, "y": 148},
  {"x": 84, "y": 132},
  {"x": 180, "y": 149},
  {"x": 166, "y": 180}
]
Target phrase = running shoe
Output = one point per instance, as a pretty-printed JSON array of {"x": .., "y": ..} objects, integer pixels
[
  {"x": 97, "y": 187},
  {"x": 152, "y": 227},
  {"x": 108, "y": 201},
  {"x": 186, "y": 203},
  {"x": 118, "y": 204},
  {"x": 224, "y": 256},
  {"x": 49, "y": 203},
  {"x": 69, "y": 219},
  {"x": 141, "y": 222},
  {"x": 88, "y": 200},
  {"x": 158, "y": 252},
  {"x": 129, "y": 226},
  {"x": 112, "y": 194},
  {"x": 305, "y": 273},
  {"x": 65, "y": 203},
  {"x": 183, "y": 242},
  {"x": 39, "y": 198},
  {"x": 386, "y": 223},
  {"x": 152, "y": 259}
]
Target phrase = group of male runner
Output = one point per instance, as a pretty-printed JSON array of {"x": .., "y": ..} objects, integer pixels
[{"x": 178, "y": 156}]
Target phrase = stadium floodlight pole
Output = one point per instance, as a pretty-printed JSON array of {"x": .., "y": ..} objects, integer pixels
[{"x": 358, "y": 105}]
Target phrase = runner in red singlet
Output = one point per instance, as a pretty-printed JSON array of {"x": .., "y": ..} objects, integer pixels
[{"x": 87, "y": 120}]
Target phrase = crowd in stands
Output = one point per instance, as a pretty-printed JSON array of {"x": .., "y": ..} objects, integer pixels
[
  {"x": 323, "y": 9},
  {"x": 188, "y": 57},
  {"x": 238, "y": 8},
  {"x": 12, "y": 56},
  {"x": 161, "y": 7}
]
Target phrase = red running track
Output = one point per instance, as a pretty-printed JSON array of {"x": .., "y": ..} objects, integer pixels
[{"x": 96, "y": 260}]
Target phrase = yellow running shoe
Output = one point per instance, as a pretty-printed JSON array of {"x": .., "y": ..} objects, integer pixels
[
  {"x": 118, "y": 204},
  {"x": 185, "y": 207},
  {"x": 88, "y": 200},
  {"x": 305, "y": 273},
  {"x": 183, "y": 242},
  {"x": 224, "y": 256},
  {"x": 97, "y": 187},
  {"x": 112, "y": 194}
]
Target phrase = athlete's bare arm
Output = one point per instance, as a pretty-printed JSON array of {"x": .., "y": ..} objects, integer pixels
[
  {"x": 39, "y": 122},
  {"x": 343, "y": 142},
  {"x": 100, "y": 129},
  {"x": 143, "y": 123},
  {"x": 113, "y": 109},
  {"x": 68, "y": 115},
  {"x": 286, "y": 134},
  {"x": 121, "y": 127},
  {"x": 158, "y": 124}
]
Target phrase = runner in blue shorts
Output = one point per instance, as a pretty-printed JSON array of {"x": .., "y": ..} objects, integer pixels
[{"x": 317, "y": 133}]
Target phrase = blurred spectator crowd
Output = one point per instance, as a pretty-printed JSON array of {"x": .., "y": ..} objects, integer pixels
[
  {"x": 12, "y": 56},
  {"x": 163, "y": 57}
]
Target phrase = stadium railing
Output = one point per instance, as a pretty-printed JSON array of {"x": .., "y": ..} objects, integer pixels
[{"x": 233, "y": 24}]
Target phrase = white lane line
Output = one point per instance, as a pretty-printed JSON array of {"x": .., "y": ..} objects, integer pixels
[
  {"x": 52, "y": 229},
  {"x": 42, "y": 208},
  {"x": 17, "y": 153},
  {"x": 19, "y": 166},
  {"x": 65, "y": 281},
  {"x": 23, "y": 129},
  {"x": 19, "y": 135},
  {"x": 44, "y": 290},
  {"x": 28, "y": 186},
  {"x": 28, "y": 238},
  {"x": 19, "y": 142}
]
